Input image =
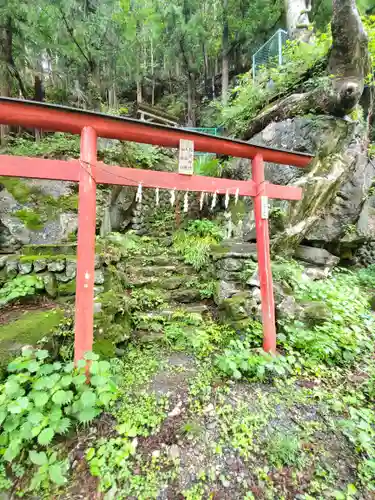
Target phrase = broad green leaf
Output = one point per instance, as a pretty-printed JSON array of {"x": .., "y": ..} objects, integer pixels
[
  {"x": 87, "y": 415},
  {"x": 55, "y": 414},
  {"x": 62, "y": 426},
  {"x": 69, "y": 367},
  {"x": 35, "y": 417},
  {"x": 33, "y": 366},
  {"x": 66, "y": 380},
  {"x": 45, "y": 437},
  {"x": 90, "y": 453},
  {"x": 91, "y": 356},
  {"x": 12, "y": 387},
  {"x": 46, "y": 370},
  {"x": 81, "y": 363},
  {"x": 105, "y": 398},
  {"x": 55, "y": 472},
  {"x": 38, "y": 458},
  {"x": 19, "y": 405},
  {"x": 98, "y": 380},
  {"x": 41, "y": 354},
  {"x": 3, "y": 415},
  {"x": 40, "y": 399},
  {"x": 88, "y": 398},
  {"x": 12, "y": 450},
  {"x": 79, "y": 380},
  {"x": 62, "y": 397}
]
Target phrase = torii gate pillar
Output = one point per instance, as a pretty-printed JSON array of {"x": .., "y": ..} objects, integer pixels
[
  {"x": 84, "y": 320},
  {"x": 264, "y": 260}
]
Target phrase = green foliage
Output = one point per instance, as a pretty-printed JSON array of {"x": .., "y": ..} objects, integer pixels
[
  {"x": 208, "y": 166},
  {"x": 50, "y": 146},
  {"x": 41, "y": 399},
  {"x": 360, "y": 430},
  {"x": 20, "y": 286},
  {"x": 240, "y": 360},
  {"x": 250, "y": 97},
  {"x": 144, "y": 299},
  {"x": 366, "y": 276},
  {"x": 30, "y": 218},
  {"x": 112, "y": 461},
  {"x": 190, "y": 332},
  {"x": 49, "y": 470},
  {"x": 343, "y": 337},
  {"x": 284, "y": 450},
  {"x": 195, "y": 242}
]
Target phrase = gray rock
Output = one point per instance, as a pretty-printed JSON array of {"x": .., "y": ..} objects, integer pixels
[
  {"x": 71, "y": 269},
  {"x": 98, "y": 290},
  {"x": 99, "y": 277},
  {"x": 98, "y": 261},
  {"x": 97, "y": 307},
  {"x": 316, "y": 256},
  {"x": 40, "y": 265},
  {"x": 254, "y": 279},
  {"x": 50, "y": 284},
  {"x": 174, "y": 452},
  {"x": 11, "y": 268},
  {"x": 289, "y": 309},
  {"x": 225, "y": 290},
  {"x": 235, "y": 250},
  {"x": 316, "y": 273},
  {"x": 25, "y": 267},
  {"x": 3, "y": 260},
  {"x": 231, "y": 264},
  {"x": 62, "y": 278},
  {"x": 56, "y": 265}
]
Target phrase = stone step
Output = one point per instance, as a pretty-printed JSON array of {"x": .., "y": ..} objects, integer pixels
[
  {"x": 235, "y": 250},
  {"x": 157, "y": 271},
  {"x": 170, "y": 311},
  {"x": 166, "y": 283}
]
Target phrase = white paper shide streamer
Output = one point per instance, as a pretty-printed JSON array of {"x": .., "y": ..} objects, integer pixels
[
  {"x": 226, "y": 199},
  {"x": 138, "y": 197},
  {"x": 186, "y": 202},
  {"x": 236, "y": 196},
  {"x": 201, "y": 202},
  {"x": 173, "y": 196},
  {"x": 214, "y": 200},
  {"x": 157, "y": 196}
]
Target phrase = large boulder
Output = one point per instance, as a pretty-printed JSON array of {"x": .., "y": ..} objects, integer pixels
[
  {"x": 316, "y": 256},
  {"x": 35, "y": 211}
]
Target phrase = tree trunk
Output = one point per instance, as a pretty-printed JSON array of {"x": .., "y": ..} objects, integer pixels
[
  {"x": 225, "y": 55},
  {"x": 297, "y": 18},
  {"x": 191, "y": 118},
  {"x": 5, "y": 76},
  {"x": 341, "y": 159}
]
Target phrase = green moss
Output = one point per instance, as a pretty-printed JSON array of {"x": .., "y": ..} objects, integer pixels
[
  {"x": 48, "y": 258},
  {"x": 27, "y": 330},
  {"x": 105, "y": 348},
  {"x": 66, "y": 203},
  {"x": 238, "y": 211},
  {"x": 50, "y": 250},
  {"x": 30, "y": 218},
  {"x": 67, "y": 288},
  {"x": 17, "y": 188}
]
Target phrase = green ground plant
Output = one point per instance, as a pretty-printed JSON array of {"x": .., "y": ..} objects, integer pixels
[
  {"x": 20, "y": 287},
  {"x": 40, "y": 400},
  {"x": 194, "y": 243}
]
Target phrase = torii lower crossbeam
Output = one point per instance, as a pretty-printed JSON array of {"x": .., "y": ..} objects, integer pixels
[{"x": 88, "y": 172}]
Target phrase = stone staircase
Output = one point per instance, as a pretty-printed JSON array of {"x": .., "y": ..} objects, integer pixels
[{"x": 161, "y": 270}]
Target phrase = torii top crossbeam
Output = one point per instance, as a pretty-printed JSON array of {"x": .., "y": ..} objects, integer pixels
[{"x": 88, "y": 172}]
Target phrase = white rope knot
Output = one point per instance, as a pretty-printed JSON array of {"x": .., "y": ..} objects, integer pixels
[{"x": 186, "y": 202}]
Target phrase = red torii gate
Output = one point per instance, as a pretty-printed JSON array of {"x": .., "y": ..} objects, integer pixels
[{"x": 88, "y": 172}]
